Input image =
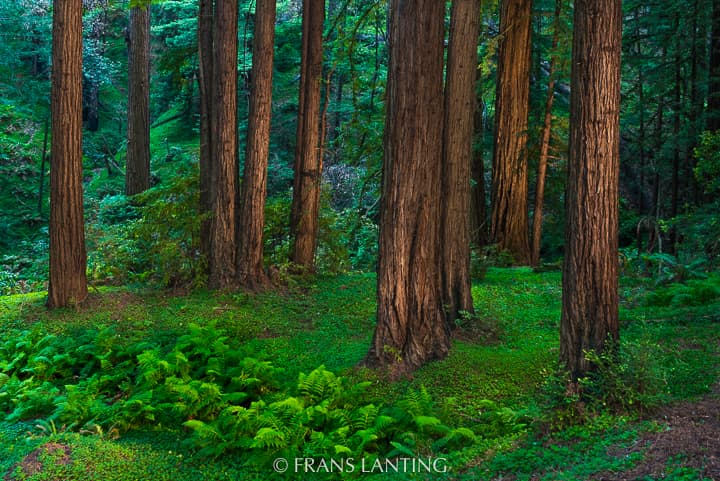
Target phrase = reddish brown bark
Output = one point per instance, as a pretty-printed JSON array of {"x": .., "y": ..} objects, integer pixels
[
  {"x": 221, "y": 261},
  {"x": 305, "y": 209},
  {"x": 457, "y": 157},
  {"x": 590, "y": 269},
  {"x": 68, "y": 258},
  {"x": 251, "y": 273},
  {"x": 137, "y": 168},
  {"x": 205, "y": 56},
  {"x": 411, "y": 327},
  {"x": 509, "y": 177}
]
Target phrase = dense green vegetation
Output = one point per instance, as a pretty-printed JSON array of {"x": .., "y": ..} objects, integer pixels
[{"x": 220, "y": 385}]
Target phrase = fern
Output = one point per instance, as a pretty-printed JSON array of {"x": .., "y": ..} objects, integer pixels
[{"x": 319, "y": 384}]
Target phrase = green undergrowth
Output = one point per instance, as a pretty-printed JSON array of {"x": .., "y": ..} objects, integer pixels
[{"x": 217, "y": 386}]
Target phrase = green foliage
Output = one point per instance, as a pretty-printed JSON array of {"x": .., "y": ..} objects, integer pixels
[
  {"x": 707, "y": 169},
  {"x": 628, "y": 378},
  {"x": 696, "y": 292},
  {"x": 661, "y": 268},
  {"x": 94, "y": 383},
  {"x": 153, "y": 237}
]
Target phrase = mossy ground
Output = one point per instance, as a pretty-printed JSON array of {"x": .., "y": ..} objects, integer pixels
[{"x": 331, "y": 322}]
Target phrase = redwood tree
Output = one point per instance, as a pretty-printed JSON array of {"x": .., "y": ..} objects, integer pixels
[
  {"x": 251, "y": 273},
  {"x": 68, "y": 258},
  {"x": 509, "y": 222},
  {"x": 411, "y": 326},
  {"x": 137, "y": 168},
  {"x": 590, "y": 269},
  {"x": 458, "y": 155},
  {"x": 221, "y": 260},
  {"x": 205, "y": 76},
  {"x": 305, "y": 209}
]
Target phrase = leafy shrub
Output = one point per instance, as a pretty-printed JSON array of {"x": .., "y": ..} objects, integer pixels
[
  {"x": 696, "y": 292},
  {"x": 153, "y": 236},
  {"x": 628, "y": 378}
]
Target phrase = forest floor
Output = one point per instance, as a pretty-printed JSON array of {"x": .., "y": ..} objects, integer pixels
[
  {"x": 691, "y": 435},
  {"x": 505, "y": 357}
]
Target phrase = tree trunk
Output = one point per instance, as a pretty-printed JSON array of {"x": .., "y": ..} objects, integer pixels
[
  {"x": 675, "y": 175},
  {"x": 221, "y": 262},
  {"x": 411, "y": 327},
  {"x": 590, "y": 269},
  {"x": 68, "y": 258},
  {"x": 478, "y": 206},
  {"x": 457, "y": 157},
  {"x": 713, "y": 102},
  {"x": 305, "y": 209},
  {"x": 251, "y": 273},
  {"x": 205, "y": 56},
  {"x": 137, "y": 169},
  {"x": 545, "y": 144},
  {"x": 509, "y": 177}
]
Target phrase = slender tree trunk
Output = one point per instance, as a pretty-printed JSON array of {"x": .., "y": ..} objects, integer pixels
[
  {"x": 68, "y": 258},
  {"x": 305, "y": 209},
  {"x": 697, "y": 51},
  {"x": 457, "y": 157},
  {"x": 713, "y": 103},
  {"x": 92, "y": 108},
  {"x": 478, "y": 206},
  {"x": 411, "y": 327},
  {"x": 137, "y": 169},
  {"x": 590, "y": 269},
  {"x": 545, "y": 144},
  {"x": 205, "y": 56},
  {"x": 43, "y": 160},
  {"x": 509, "y": 177},
  {"x": 221, "y": 262},
  {"x": 675, "y": 175},
  {"x": 251, "y": 273}
]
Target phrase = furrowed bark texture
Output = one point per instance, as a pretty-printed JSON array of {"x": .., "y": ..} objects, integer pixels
[
  {"x": 68, "y": 258},
  {"x": 205, "y": 56},
  {"x": 509, "y": 177},
  {"x": 137, "y": 168},
  {"x": 305, "y": 207},
  {"x": 251, "y": 273},
  {"x": 590, "y": 269},
  {"x": 224, "y": 144},
  {"x": 457, "y": 157},
  {"x": 411, "y": 327}
]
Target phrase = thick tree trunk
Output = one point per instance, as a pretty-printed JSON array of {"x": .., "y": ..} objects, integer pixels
[
  {"x": 68, "y": 258},
  {"x": 545, "y": 145},
  {"x": 205, "y": 56},
  {"x": 590, "y": 269},
  {"x": 221, "y": 262},
  {"x": 305, "y": 209},
  {"x": 251, "y": 273},
  {"x": 137, "y": 169},
  {"x": 457, "y": 157},
  {"x": 509, "y": 177},
  {"x": 411, "y": 327}
]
